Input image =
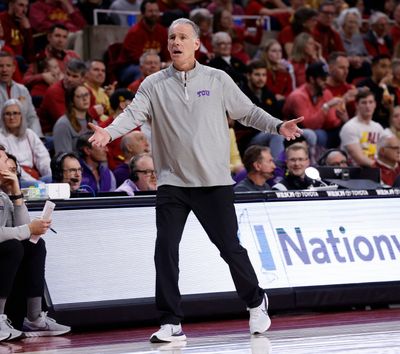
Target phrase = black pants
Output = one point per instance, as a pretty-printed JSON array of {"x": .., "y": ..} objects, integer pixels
[
  {"x": 214, "y": 208},
  {"x": 22, "y": 267}
]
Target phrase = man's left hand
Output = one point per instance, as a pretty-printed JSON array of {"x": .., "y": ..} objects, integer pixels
[{"x": 290, "y": 130}]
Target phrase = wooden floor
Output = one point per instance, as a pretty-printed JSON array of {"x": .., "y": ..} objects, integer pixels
[{"x": 372, "y": 332}]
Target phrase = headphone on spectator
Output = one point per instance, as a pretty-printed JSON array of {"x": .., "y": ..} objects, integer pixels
[
  {"x": 322, "y": 160},
  {"x": 56, "y": 165},
  {"x": 133, "y": 176}
]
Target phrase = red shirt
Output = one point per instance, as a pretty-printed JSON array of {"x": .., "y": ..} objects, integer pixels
[
  {"x": 388, "y": 173},
  {"x": 340, "y": 91},
  {"x": 17, "y": 38},
  {"x": 141, "y": 38},
  {"x": 134, "y": 86},
  {"x": 395, "y": 34},
  {"x": 300, "y": 103},
  {"x": 43, "y": 15},
  {"x": 373, "y": 51},
  {"x": 279, "y": 82},
  {"x": 328, "y": 38}
]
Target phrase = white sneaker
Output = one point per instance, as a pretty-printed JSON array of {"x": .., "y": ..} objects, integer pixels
[
  {"x": 168, "y": 333},
  {"x": 43, "y": 326},
  {"x": 5, "y": 327},
  {"x": 259, "y": 319}
]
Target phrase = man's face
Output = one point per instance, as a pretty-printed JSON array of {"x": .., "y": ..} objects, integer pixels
[
  {"x": 391, "y": 150},
  {"x": 151, "y": 65},
  {"x": 327, "y": 15},
  {"x": 19, "y": 8},
  {"x": 366, "y": 107},
  {"x": 265, "y": 165},
  {"x": 381, "y": 26},
  {"x": 297, "y": 162},
  {"x": 96, "y": 73},
  {"x": 182, "y": 44},
  {"x": 381, "y": 69},
  {"x": 98, "y": 154},
  {"x": 340, "y": 69},
  {"x": 319, "y": 84},
  {"x": 58, "y": 39},
  {"x": 72, "y": 173},
  {"x": 258, "y": 78},
  {"x": 147, "y": 178},
  {"x": 7, "y": 69},
  {"x": 72, "y": 80},
  {"x": 138, "y": 143},
  {"x": 151, "y": 14}
]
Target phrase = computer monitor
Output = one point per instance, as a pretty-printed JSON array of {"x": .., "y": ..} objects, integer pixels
[{"x": 351, "y": 172}]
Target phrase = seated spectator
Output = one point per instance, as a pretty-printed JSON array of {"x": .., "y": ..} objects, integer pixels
[
  {"x": 238, "y": 172},
  {"x": 146, "y": 34},
  {"x": 334, "y": 158},
  {"x": 260, "y": 168},
  {"x": 223, "y": 22},
  {"x": 10, "y": 89},
  {"x": 394, "y": 123},
  {"x": 132, "y": 144},
  {"x": 57, "y": 49},
  {"x": 337, "y": 81},
  {"x": 380, "y": 85},
  {"x": 124, "y": 20},
  {"x": 94, "y": 81},
  {"x": 395, "y": 28},
  {"x": 142, "y": 176},
  {"x": 377, "y": 40},
  {"x": 360, "y": 134},
  {"x": 395, "y": 80},
  {"x": 280, "y": 13},
  {"x": 95, "y": 172},
  {"x": 53, "y": 105},
  {"x": 297, "y": 161},
  {"x": 279, "y": 78},
  {"x": 74, "y": 123},
  {"x": 17, "y": 31},
  {"x": 256, "y": 89},
  {"x": 48, "y": 72},
  {"x": 324, "y": 33},
  {"x": 118, "y": 101},
  {"x": 322, "y": 112},
  {"x": 24, "y": 143},
  {"x": 150, "y": 63},
  {"x": 388, "y": 159},
  {"x": 304, "y": 20},
  {"x": 203, "y": 19},
  {"x": 22, "y": 259},
  {"x": 229, "y": 5},
  {"x": 66, "y": 168},
  {"x": 304, "y": 52},
  {"x": 349, "y": 23},
  {"x": 235, "y": 68},
  {"x": 46, "y": 13}
]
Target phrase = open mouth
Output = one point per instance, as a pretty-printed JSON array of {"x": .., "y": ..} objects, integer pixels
[{"x": 177, "y": 51}]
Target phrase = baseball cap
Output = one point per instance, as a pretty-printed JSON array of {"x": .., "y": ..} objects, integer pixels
[{"x": 317, "y": 69}]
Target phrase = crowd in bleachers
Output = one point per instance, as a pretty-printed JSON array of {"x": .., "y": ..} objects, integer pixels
[{"x": 335, "y": 62}]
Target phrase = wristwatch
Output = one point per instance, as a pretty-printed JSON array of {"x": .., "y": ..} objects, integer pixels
[
  {"x": 278, "y": 127},
  {"x": 15, "y": 197}
]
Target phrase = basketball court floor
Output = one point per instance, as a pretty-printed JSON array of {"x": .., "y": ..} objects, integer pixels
[{"x": 357, "y": 331}]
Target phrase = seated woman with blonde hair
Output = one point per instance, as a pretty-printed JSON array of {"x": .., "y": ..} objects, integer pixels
[{"x": 24, "y": 144}]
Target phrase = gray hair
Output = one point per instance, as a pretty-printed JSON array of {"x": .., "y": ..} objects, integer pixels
[
  {"x": 185, "y": 21},
  {"x": 376, "y": 16},
  {"x": 220, "y": 37},
  {"x": 77, "y": 66},
  {"x": 147, "y": 53},
  {"x": 351, "y": 11},
  {"x": 23, "y": 126}
]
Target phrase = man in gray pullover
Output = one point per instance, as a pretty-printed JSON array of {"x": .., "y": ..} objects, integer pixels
[{"x": 188, "y": 104}]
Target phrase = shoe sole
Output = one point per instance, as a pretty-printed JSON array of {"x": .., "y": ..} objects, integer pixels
[
  {"x": 155, "y": 339},
  {"x": 5, "y": 338},
  {"x": 45, "y": 333}
]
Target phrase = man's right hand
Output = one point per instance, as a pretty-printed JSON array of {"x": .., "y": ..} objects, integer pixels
[
  {"x": 100, "y": 137},
  {"x": 39, "y": 226}
]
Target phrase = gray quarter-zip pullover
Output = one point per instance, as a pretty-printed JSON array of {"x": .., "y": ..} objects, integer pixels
[{"x": 190, "y": 134}]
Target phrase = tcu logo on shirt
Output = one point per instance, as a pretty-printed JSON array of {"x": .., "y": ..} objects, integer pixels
[{"x": 203, "y": 93}]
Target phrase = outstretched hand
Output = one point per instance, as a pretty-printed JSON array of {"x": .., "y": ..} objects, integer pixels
[
  {"x": 100, "y": 137},
  {"x": 290, "y": 130}
]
